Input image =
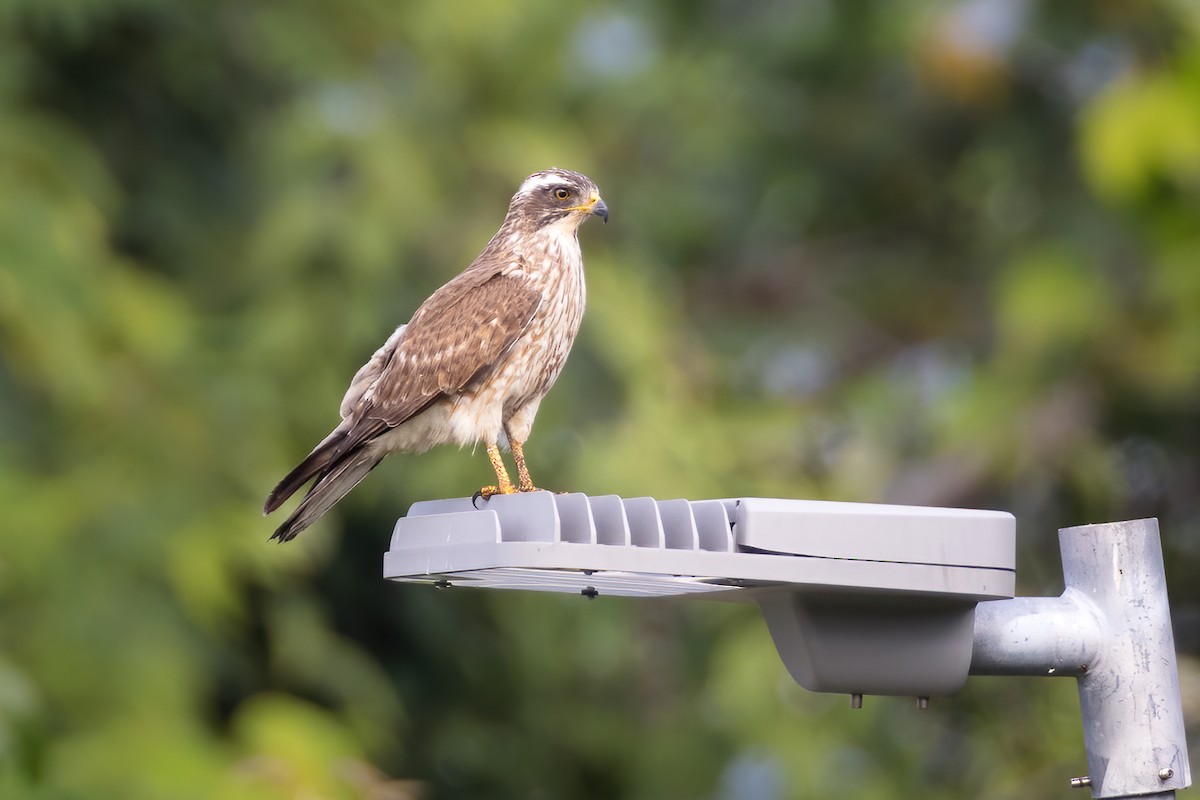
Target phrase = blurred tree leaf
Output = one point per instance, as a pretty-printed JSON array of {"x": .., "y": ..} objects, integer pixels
[{"x": 858, "y": 251}]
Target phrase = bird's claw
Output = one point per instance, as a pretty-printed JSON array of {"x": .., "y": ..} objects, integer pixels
[{"x": 488, "y": 492}]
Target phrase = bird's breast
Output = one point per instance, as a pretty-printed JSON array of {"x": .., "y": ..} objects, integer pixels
[{"x": 555, "y": 267}]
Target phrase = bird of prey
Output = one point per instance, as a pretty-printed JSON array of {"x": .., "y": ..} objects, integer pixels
[{"x": 473, "y": 362}]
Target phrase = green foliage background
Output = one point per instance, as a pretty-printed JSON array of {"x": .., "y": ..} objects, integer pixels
[{"x": 927, "y": 252}]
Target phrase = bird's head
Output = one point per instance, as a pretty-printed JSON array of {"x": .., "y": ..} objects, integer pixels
[{"x": 557, "y": 196}]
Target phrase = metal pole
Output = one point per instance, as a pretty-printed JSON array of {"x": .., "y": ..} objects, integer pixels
[
  {"x": 1132, "y": 715},
  {"x": 1110, "y": 629}
]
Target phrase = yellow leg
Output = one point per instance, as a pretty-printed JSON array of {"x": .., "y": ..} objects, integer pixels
[
  {"x": 504, "y": 484},
  {"x": 525, "y": 483}
]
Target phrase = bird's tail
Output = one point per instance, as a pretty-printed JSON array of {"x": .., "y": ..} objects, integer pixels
[
  {"x": 319, "y": 460},
  {"x": 338, "y": 479}
]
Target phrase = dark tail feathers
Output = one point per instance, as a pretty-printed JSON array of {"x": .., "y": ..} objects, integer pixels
[
  {"x": 335, "y": 481},
  {"x": 319, "y": 460}
]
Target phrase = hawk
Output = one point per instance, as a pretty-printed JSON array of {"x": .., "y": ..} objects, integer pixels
[{"x": 475, "y": 360}]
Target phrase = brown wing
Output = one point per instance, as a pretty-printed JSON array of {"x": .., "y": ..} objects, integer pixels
[
  {"x": 368, "y": 373},
  {"x": 456, "y": 337}
]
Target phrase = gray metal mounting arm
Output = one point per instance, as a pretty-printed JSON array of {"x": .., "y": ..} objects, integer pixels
[{"x": 1111, "y": 630}]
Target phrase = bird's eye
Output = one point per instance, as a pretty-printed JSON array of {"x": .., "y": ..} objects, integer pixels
[{"x": 561, "y": 193}]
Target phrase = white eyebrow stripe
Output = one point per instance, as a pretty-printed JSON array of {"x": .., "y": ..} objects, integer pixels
[{"x": 542, "y": 181}]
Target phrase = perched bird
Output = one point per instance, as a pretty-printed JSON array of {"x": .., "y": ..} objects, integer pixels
[{"x": 474, "y": 361}]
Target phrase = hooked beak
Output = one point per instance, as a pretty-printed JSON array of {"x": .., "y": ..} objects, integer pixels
[
  {"x": 594, "y": 207},
  {"x": 600, "y": 210}
]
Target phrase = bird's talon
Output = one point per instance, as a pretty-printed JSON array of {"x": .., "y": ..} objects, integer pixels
[{"x": 488, "y": 492}]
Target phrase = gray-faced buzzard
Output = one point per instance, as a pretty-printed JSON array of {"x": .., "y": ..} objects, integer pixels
[{"x": 474, "y": 361}]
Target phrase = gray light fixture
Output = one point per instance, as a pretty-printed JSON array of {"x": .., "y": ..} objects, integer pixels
[{"x": 859, "y": 598}]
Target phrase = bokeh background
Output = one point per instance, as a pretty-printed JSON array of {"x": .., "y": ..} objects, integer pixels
[{"x": 919, "y": 252}]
